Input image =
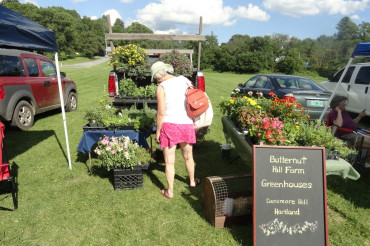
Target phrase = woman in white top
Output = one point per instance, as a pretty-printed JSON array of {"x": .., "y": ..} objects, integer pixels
[{"x": 173, "y": 124}]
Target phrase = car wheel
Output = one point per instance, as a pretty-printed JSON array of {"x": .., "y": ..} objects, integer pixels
[
  {"x": 23, "y": 116},
  {"x": 71, "y": 102}
]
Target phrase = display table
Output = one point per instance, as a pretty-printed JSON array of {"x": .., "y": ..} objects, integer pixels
[
  {"x": 89, "y": 138},
  {"x": 245, "y": 150}
]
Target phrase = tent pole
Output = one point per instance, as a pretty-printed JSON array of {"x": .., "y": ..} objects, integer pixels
[
  {"x": 63, "y": 111},
  {"x": 335, "y": 89}
]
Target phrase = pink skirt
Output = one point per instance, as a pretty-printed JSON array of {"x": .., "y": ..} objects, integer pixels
[{"x": 172, "y": 134}]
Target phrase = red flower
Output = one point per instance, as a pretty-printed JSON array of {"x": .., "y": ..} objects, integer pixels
[{"x": 272, "y": 94}]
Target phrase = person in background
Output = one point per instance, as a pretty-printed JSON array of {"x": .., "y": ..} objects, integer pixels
[
  {"x": 173, "y": 124},
  {"x": 340, "y": 117}
]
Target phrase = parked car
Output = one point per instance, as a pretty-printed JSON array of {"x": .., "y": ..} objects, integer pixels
[
  {"x": 306, "y": 91},
  {"x": 29, "y": 86},
  {"x": 355, "y": 86}
]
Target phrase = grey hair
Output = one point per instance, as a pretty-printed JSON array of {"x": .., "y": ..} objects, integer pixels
[
  {"x": 163, "y": 72},
  {"x": 337, "y": 99}
]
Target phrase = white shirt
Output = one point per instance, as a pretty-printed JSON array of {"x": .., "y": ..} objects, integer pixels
[{"x": 175, "y": 100}]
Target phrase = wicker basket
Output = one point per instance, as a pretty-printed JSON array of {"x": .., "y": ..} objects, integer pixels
[{"x": 228, "y": 200}]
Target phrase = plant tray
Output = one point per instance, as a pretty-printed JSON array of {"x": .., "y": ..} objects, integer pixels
[
  {"x": 102, "y": 128},
  {"x": 127, "y": 179}
]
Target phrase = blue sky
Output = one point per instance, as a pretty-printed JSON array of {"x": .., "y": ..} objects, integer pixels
[{"x": 224, "y": 18}]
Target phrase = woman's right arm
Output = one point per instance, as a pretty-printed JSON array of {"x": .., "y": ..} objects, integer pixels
[{"x": 160, "y": 110}]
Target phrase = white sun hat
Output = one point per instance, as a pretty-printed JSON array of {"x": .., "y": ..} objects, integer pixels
[{"x": 159, "y": 66}]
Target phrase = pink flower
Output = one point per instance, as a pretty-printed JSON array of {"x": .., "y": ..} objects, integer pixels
[
  {"x": 250, "y": 93},
  {"x": 113, "y": 152}
]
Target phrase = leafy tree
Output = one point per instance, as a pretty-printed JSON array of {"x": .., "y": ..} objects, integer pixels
[
  {"x": 291, "y": 63},
  {"x": 136, "y": 27},
  {"x": 347, "y": 30},
  {"x": 91, "y": 35},
  {"x": 364, "y": 31}
]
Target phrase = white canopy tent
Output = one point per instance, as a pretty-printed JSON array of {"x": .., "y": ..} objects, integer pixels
[
  {"x": 18, "y": 31},
  {"x": 361, "y": 50}
]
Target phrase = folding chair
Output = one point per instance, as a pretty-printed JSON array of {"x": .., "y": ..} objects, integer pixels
[
  {"x": 7, "y": 182},
  {"x": 334, "y": 131},
  {"x": 6, "y": 179}
]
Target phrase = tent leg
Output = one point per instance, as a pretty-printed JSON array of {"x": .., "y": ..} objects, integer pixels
[{"x": 63, "y": 111}]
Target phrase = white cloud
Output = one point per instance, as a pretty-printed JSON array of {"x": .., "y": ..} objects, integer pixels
[
  {"x": 32, "y": 2},
  {"x": 126, "y": 1},
  {"x": 355, "y": 17},
  {"x": 230, "y": 23},
  {"x": 169, "y": 14},
  {"x": 94, "y": 17},
  {"x": 252, "y": 12},
  {"x": 78, "y": 1},
  {"x": 298, "y": 8},
  {"x": 113, "y": 15}
]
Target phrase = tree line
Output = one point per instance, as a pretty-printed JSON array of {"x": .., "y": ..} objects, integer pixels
[{"x": 83, "y": 36}]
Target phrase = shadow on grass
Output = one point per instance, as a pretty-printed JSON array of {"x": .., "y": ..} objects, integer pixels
[
  {"x": 207, "y": 156},
  {"x": 17, "y": 142},
  {"x": 355, "y": 191}
]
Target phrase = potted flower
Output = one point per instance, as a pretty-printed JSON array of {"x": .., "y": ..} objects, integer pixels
[
  {"x": 130, "y": 59},
  {"x": 121, "y": 153},
  {"x": 180, "y": 62}
]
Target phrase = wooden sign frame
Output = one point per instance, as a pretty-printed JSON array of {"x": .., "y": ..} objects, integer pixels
[{"x": 289, "y": 196}]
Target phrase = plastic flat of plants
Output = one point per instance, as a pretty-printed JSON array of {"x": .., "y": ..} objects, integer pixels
[
  {"x": 102, "y": 128},
  {"x": 127, "y": 179}
]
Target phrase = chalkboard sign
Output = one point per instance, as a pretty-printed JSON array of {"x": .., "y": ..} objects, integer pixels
[{"x": 289, "y": 196}]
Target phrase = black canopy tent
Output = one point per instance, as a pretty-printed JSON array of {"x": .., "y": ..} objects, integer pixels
[{"x": 18, "y": 31}]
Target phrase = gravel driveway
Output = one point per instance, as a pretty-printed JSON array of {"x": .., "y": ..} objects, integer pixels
[{"x": 87, "y": 64}]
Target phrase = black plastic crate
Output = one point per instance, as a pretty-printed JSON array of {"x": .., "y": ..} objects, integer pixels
[{"x": 127, "y": 179}]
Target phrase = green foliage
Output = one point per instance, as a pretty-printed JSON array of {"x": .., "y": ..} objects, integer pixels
[
  {"x": 312, "y": 133},
  {"x": 128, "y": 87},
  {"x": 121, "y": 152}
]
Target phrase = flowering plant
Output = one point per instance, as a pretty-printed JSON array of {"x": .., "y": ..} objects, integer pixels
[
  {"x": 181, "y": 64},
  {"x": 130, "y": 59},
  {"x": 275, "y": 121},
  {"x": 266, "y": 129},
  {"x": 121, "y": 152}
]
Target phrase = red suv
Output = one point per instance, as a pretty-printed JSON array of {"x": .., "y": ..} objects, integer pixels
[{"x": 29, "y": 86}]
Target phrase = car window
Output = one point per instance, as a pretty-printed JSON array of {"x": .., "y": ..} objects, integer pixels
[
  {"x": 290, "y": 83},
  {"x": 304, "y": 84},
  {"x": 48, "y": 68},
  {"x": 10, "y": 66},
  {"x": 346, "y": 78},
  {"x": 281, "y": 82},
  {"x": 261, "y": 82},
  {"x": 33, "y": 70},
  {"x": 251, "y": 82},
  {"x": 363, "y": 76}
]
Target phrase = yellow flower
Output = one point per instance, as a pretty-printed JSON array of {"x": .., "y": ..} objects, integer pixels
[
  {"x": 232, "y": 101},
  {"x": 297, "y": 127}
]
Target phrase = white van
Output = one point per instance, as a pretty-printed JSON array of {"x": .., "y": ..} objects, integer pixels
[{"x": 355, "y": 86}]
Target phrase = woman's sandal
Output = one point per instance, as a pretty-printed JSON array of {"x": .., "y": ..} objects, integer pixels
[
  {"x": 165, "y": 194},
  {"x": 197, "y": 182}
]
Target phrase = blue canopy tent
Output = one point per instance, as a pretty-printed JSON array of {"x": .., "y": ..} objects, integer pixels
[
  {"x": 361, "y": 50},
  {"x": 18, "y": 31}
]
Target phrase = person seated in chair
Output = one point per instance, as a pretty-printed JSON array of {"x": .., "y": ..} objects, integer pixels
[{"x": 339, "y": 117}]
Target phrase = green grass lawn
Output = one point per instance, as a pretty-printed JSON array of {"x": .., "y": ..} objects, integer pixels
[{"x": 58, "y": 206}]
